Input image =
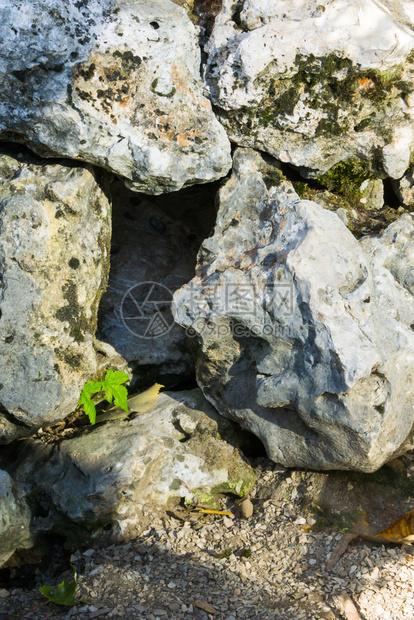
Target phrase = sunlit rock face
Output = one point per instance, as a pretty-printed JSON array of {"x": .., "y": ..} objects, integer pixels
[
  {"x": 55, "y": 228},
  {"x": 316, "y": 83},
  {"x": 106, "y": 481},
  {"x": 300, "y": 332},
  {"x": 113, "y": 83}
]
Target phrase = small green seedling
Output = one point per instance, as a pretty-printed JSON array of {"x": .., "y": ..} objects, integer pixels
[
  {"x": 225, "y": 554},
  {"x": 114, "y": 391},
  {"x": 63, "y": 593},
  {"x": 246, "y": 553}
]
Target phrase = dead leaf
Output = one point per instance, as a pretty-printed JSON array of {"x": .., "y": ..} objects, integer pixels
[
  {"x": 347, "y": 607},
  {"x": 144, "y": 401},
  {"x": 139, "y": 403},
  {"x": 205, "y": 607},
  {"x": 339, "y": 550},
  {"x": 402, "y": 530}
]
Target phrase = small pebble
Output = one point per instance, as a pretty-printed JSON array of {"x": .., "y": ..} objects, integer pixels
[{"x": 246, "y": 508}]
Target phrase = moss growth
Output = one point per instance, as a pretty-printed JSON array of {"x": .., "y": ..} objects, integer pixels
[
  {"x": 362, "y": 219},
  {"x": 346, "y": 177},
  {"x": 331, "y": 84},
  {"x": 84, "y": 95},
  {"x": 225, "y": 554},
  {"x": 365, "y": 123},
  {"x": 88, "y": 72},
  {"x": 73, "y": 314},
  {"x": 246, "y": 553},
  {"x": 129, "y": 61},
  {"x": 273, "y": 177},
  {"x": 160, "y": 94}
]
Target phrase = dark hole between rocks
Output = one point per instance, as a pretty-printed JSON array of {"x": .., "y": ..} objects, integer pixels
[
  {"x": 390, "y": 197},
  {"x": 154, "y": 25},
  {"x": 250, "y": 445},
  {"x": 48, "y": 557},
  {"x": 154, "y": 246}
]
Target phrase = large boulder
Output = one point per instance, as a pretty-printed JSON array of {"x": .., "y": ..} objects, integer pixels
[
  {"x": 316, "y": 83},
  {"x": 115, "y": 83},
  {"x": 55, "y": 221},
  {"x": 107, "y": 478},
  {"x": 301, "y": 333}
]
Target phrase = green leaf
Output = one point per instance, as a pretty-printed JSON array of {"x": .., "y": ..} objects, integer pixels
[
  {"x": 115, "y": 377},
  {"x": 63, "y": 593},
  {"x": 88, "y": 405},
  {"x": 90, "y": 410},
  {"x": 92, "y": 387},
  {"x": 114, "y": 390}
]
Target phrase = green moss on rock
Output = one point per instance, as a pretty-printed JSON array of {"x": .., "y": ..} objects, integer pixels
[
  {"x": 332, "y": 85},
  {"x": 346, "y": 178}
]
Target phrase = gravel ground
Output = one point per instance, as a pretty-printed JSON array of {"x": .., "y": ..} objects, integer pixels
[{"x": 271, "y": 565}]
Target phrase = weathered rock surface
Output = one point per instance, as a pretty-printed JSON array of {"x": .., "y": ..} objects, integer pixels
[
  {"x": 314, "y": 84},
  {"x": 54, "y": 261},
  {"x": 15, "y": 520},
  {"x": 155, "y": 241},
  {"x": 114, "y": 83},
  {"x": 300, "y": 332},
  {"x": 105, "y": 477}
]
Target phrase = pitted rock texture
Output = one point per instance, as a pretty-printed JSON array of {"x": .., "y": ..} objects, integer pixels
[
  {"x": 102, "y": 479},
  {"x": 54, "y": 262},
  {"x": 15, "y": 519},
  {"x": 110, "y": 82},
  {"x": 316, "y": 83},
  {"x": 301, "y": 333}
]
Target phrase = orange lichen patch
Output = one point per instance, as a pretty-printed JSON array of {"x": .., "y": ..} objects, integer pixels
[
  {"x": 164, "y": 128},
  {"x": 182, "y": 139},
  {"x": 365, "y": 84},
  {"x": 181, "y": 83},
  {"x": 185, "y": 139}
]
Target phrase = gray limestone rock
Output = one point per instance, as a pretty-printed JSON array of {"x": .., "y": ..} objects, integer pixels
[
  {"x": 316, "y": 83},
  {"x": 105, "y": 477},
  {"x": 54, "y": 261},
  {"x": 15, "y": 519},
  {"x": 111, "y": 82},
  {"x": 301, "y": 333}
]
